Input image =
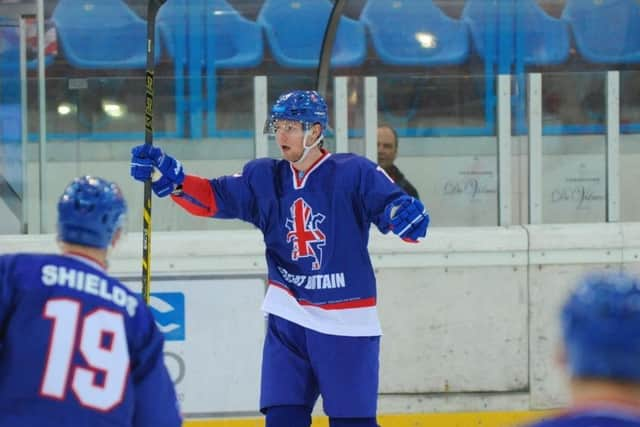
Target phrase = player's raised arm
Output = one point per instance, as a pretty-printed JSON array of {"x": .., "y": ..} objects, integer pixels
[
  {"x": 167, "y": 176},
  {"x": 222, "y": 197}
]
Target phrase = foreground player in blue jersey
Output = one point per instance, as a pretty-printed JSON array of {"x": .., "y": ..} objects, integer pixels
[
  {"x": 601, "y": 333},
  {"x": 314, "y": 209},
  {"x": 77, "y": 348}
]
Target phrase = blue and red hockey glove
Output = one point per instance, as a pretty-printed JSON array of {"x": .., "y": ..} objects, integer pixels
[{"x": 168, "y": 171}]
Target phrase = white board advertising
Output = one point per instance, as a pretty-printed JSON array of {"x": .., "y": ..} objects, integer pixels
[{"x": 213, "y": 330}]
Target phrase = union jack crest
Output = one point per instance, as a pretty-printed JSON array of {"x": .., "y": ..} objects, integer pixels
[{"x": 305, "y": 234}]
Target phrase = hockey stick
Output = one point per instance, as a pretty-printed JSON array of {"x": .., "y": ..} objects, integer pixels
[
  {"x": 322, "y": 78},
  {"x": 152, "y": 11}
]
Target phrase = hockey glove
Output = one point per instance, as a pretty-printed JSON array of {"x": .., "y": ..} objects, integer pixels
[
  {"x": 149, "y": 162},
  {"x": 141, "y": 167},
  {"x": 167, "y": 165},
  {"x": 161, "y": 185},
  {"x": 408, "y": 218}
]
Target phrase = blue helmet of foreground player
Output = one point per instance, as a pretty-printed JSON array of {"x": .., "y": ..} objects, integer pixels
[
  {"x": 306, "y": 106},
  {"x": 601, "y": 326},
  {"x": 90, "y": 211}
]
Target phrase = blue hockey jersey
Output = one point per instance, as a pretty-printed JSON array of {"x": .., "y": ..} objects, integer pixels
[
  {"x": 77, "y": 348},
  {"x": 605, "y": 416},
  {"x": 316, "y": 232}
]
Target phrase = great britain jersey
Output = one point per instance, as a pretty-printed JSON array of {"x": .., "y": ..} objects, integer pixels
[
  {"x": 316, "y": 231},
  {"x": 78, "y": 349}
]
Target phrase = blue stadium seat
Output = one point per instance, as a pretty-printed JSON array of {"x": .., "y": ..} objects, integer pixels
[
  {"x": 232, "y": 40},
  {"x": 540, "y": 39},
  {"x": 101, "y": 34},
  {"x": 605, "y": 31},
  {"x": 516, "y": 32},
  {"x": 9, "y": 47},
  {"x": 482, "y": 18},
  {"x": 295, "y": 30},
  {"x": 415, "y": 32},
  {"x": 9, "y": 65},
  {"x": 229, "y": 40},
  {"x": 172, "y": 23},
  {"x": 206, "y": 35}
]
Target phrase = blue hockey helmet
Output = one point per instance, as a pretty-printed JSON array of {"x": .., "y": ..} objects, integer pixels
[
  {"x": 601, "y": 327},
  {"x": 90, "y": 211},
  {"x": 306, "y": 106}
]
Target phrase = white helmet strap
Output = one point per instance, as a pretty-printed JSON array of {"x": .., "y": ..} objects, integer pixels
[{"x": 307, "y": 148}]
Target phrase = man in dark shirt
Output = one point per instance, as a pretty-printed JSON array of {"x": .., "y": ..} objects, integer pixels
[{"x": 387, "y": 152}]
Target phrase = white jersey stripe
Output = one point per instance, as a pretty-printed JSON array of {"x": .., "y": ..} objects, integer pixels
[{"x": 353, "y": 322}]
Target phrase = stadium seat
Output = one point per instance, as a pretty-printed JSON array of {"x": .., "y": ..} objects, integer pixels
[
  {"x": 605, "y": 31},
  {"x": 9, "y": 65},
  {"x": 172, "y": 23},
  {"x": 9, "y": 47},
  {"x": 218, "y": 37},
  {"x": 415, "y": 32},
  {"x": 295, "y": 31},
  {"x": 518, "y": 32},
  {"x": 232, "y": 41},
  {"x": 540, "y": 39},
  {"x": 481, "y": 17},
  {"x": 101, "y": 34},
  {"x": 229, "y": 40}
]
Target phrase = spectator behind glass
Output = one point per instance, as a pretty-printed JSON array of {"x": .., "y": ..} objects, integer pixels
[
  {"x": 601, "y": 339},
  {"x": 387, "y": 152}
]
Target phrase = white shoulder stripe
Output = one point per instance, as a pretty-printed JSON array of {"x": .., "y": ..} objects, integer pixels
[{"x": 379, "y": 168}]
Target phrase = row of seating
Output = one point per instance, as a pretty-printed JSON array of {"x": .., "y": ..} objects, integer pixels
[
  {"x": 211, "y": 34},
  {"x": 98, "y": 34}
]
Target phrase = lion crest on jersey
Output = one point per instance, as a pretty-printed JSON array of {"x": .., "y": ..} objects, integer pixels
[{"x": 305, "y": 234}]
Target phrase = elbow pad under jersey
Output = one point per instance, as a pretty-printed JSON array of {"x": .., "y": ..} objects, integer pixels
[{"x": 196, "y": 196}]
